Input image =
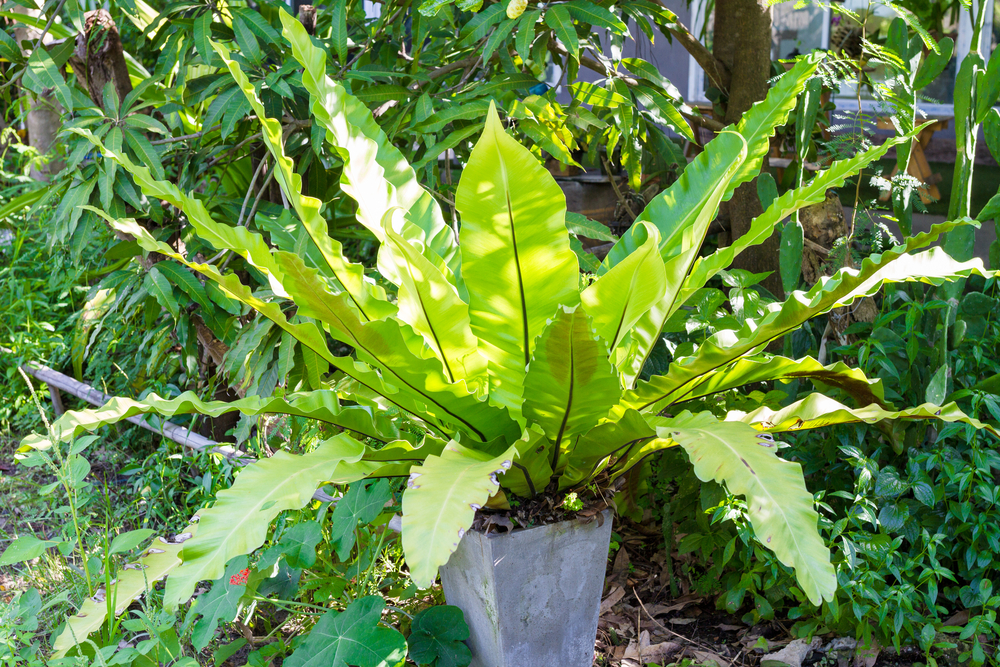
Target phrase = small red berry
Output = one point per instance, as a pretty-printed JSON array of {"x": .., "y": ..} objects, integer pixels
[{"x": 241, "y": 578}]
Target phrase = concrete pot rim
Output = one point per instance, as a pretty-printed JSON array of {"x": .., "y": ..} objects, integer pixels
[{"x": 606, "y": 512}]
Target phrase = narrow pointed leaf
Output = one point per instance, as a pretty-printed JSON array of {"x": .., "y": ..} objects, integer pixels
[
  {"x": 793, "y": 200},
  {"x": 307, "y": 333},
  {"x": 323, "y": 406},
  {"x": 759, "y": 123},
  {"x": 933, "y": 267},
  {"x": 817, "y": 411},
  {"x": 682, "y": 214},
  {"x": 749, "y": 370},
  {"x": 368, "y": 299},
  {"x": 375, "y": 173}
]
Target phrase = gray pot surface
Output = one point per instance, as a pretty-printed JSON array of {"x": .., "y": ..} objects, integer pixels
[{"x": 531, "y": 597}]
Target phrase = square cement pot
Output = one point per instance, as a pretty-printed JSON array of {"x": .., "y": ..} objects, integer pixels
[{"x": 531, "y": 597}]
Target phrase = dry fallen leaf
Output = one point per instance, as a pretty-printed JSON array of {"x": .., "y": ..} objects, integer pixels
[
  {"x": 708, "y": 657},
  {"x": 641, "y": 652},
  {"x": 613, "y": 598}
]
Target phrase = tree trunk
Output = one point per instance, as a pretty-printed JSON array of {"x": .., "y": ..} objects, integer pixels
[
  {"x": 44, "y": 119},
  {"x": 742, "y": 43},
  {"x": 99, "y": 58}
]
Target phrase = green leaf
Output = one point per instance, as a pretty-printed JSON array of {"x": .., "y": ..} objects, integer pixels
[
  {"x": 157, "y": 285},
  {"x": 751, "y": 370},
  {"x": 360, "y": 136},
  {"x": 790, "y": 255},
  {"x": 580, "y": 225},
  {"x": 594, "y": 95},
  {"x": 526, "y": 33},
  {"x": 18, "y": 204},
  {"x": 144, "y": 151},
  {"x": 988, "y": 89},
  {"x": 237, "y": 523},
  {"x": 498, "y": 37},
  {"x": 202, "y": 39},
  {"x": 595, "y": 15},
  {"x": 763, "y": 225},
  {"x": 42, "y": 75},
  {"x": 9, "y": 49},
  {"x": 352, "y": 637},
  {"x": 362, "y": 503},
  {"x": 338, "y": 30},
  {"x": 758, "y": 124},
  {"x": 650, "y": 73},
  {"x": 558, "y": 18},
  {"x": 664, "y": 111},
  {"x": 389, "y": 345},
  {"x": 143, "y": 122},
  {"x": 991, "y": 128},
  {"x": 227, "y": 97},
  {"x": 767, "y": 190},
  {"x": 109, "y": 97},
  {"x": 322, "y": 406},
  {"x": 778, "y": 503},
  {"x": 440, "y": 502},
  {"x": 570, "y": 384},
  {"x": 933, "y": 266},
  {"x": 299, "y": 544},
  {"x": 437, "y": 121},
  {"x": 502, "y": 84},
  {"x": 622, "y": 296},
  {"x": 818, "y": 411},
  {"x": 383, "y": 92},
  {"x": 451, "y": 141},
  {"x": 185, "y": 280},
  {"x": 431, "y": 305},
  {"x": 682, "y": 214},
  {"x": 221, "y": 603},
  {"x": 308, "y": 334},
  {"x": 134, "y": 579},
  {"x": 247, "y": 41},
  {"x": 254, "y": 20},
  {"x": 934, "y": 63},
  {"x": 516, "y": 260},
  {"x": 532, "y": 469},
  {"x": 437, "y": 637},
  {"x": 369, "y": 300},
  {"x": 130, "y": 540},
  {"x": 937, "y": 389},
  {"x": 592, "y": 452},
  {"x": 26, "y": 547}
]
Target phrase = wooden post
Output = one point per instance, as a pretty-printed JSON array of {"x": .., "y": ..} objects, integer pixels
[{"x": 57, "y": 404}]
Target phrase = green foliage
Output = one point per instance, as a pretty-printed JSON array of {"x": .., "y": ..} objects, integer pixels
[
  {"x": 516, "y": 230},
  {"x": 909, "y": 509},
  {"x": 437, "y": 638},
  {"x": 373, "y": 313},
  {"x": 351, "y": 637}
]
